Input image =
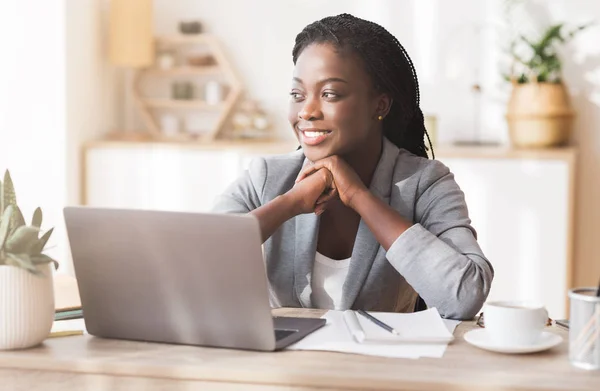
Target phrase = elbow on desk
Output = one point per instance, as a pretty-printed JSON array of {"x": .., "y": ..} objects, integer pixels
[
  {"x": 465, "y": 308},
  {"x": 468, "y": 302}
]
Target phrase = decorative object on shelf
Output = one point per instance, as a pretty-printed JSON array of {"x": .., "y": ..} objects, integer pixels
[
  {"x": 539, "y": 112},
  {"x": 463, "y": 64},
  {"x": 182, "y": 91},
  {"x": 26, "y": 279},
  {"x": 213, "y": 92},
  {"x": 196, "y": 124},
  {"x": 131, "y": 47},
  {"x": 169, "y": 124},
  {"x": 190, "y": 27},
  {"x": 251, "y": 121},
  {"x": 165, "y": 60},
  {"x": 200, "y": 60}
]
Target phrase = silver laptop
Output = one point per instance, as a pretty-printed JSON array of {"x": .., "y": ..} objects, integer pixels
[{"x": 171, "y": 277}]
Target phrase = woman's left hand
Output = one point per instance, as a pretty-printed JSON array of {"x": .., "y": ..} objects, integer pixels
[{"x": 345, "y": 180}]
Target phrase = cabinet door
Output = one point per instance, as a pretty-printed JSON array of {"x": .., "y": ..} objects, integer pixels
[
  {"x": 519, "y": 208},
  {"x": 160, "y": 178}
]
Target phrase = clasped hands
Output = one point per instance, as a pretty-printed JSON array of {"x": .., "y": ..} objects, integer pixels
[{"x": 324, "y": 180}]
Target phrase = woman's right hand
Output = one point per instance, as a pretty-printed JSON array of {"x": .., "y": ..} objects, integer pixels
[
  {"x": 309, "y": 195},
  {"x": 316, "y": 187}
]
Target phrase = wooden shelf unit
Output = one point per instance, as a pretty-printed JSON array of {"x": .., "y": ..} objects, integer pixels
[{"x": 222, "y": 69}]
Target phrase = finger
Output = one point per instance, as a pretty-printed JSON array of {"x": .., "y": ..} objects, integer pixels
[
  {"x": 306, "y": 171},
  {"x": 311, "y": 169},
  {"x": 328, "y": 175},
  {"x": 328, "y": 196},
  {"x": 320, "y": 209}
]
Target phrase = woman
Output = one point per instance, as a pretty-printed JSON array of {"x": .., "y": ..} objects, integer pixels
[{"x": 359, "y": 217}]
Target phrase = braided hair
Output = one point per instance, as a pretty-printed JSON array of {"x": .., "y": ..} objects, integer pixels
[{"x": 389, "y": 66}]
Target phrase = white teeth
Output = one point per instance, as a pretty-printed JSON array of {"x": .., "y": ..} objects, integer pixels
[{"x": 314, "y": 134}]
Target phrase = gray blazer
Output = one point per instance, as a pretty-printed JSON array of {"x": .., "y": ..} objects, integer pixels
[{"x": 438, "y": 257}]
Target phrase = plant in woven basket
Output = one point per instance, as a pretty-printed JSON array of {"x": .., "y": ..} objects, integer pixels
[{"x": 20, "y": 244}]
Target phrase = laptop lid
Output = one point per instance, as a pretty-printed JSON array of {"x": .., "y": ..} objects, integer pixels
[{"x": 173, "y": 277}]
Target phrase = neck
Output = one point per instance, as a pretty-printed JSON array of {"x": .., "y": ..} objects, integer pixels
[{"x": 364, "y": 161}]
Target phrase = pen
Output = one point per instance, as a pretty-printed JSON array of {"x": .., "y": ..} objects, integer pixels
[
  {"x": 353, "y": 326},
  {"x": 378, "y": 322}
]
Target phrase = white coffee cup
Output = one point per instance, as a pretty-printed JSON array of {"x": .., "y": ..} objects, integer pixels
[{"x": 514, "y": 323}]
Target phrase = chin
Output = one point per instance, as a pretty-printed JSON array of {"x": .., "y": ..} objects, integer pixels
[{"x": 315, "y": 154}]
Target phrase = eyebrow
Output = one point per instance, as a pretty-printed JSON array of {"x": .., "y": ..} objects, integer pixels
[{"x": 328, "y": 80}]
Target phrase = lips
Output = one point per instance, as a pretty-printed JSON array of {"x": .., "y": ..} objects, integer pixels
[{"x": 313, "y": 136}]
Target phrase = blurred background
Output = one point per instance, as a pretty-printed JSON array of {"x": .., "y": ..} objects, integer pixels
[{"x": 160, "y": 104}]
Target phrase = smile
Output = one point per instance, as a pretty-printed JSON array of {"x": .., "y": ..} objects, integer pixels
[{"x": 314, "y": 136}]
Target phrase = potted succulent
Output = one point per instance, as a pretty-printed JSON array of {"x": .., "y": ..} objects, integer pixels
[
  {"x": 539, "y": 110},
  {"x": 26, "y": 279}
]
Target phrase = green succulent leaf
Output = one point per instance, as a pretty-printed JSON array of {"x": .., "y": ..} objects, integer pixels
[
  {"x": 22, "y": 261},
  {"x": 36, "y": 220},
  {"x": 5, "y": 225},
  {"x": 41, "y": 259},
  {"x": 41, "y": 242},
  {"x": 22, "y": 240},
  {"x": 17, "y": 220},
  {"x": 8, "y": 191}
]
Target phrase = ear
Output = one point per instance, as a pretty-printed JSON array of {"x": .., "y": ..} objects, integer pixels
[{"x": 383, "y": 104}]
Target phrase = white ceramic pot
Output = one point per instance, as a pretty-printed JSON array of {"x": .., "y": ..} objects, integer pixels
[{"x": 26, "y": 306}]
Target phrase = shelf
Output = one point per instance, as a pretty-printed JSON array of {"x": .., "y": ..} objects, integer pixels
[
  {"x": 144, "y": 140},
  {"x": 181, "y": 104},
  {"x": 503, "y": 152},
  {"x": 185, "y": 71},
  {"x": 181, "y": 39}
]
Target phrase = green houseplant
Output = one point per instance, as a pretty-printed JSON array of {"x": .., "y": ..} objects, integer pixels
[
  {"x": 542, "y": 63},
  {"x": 26, "y": 279},
  {"x": 539, "y": 110}
]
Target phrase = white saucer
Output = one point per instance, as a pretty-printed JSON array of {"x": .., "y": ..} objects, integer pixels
[{"x": 481, "y": 339}]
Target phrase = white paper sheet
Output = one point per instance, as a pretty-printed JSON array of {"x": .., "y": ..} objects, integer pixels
[
  {"x": 68, "y": 325},
  {"x": 334, "y": 336}
]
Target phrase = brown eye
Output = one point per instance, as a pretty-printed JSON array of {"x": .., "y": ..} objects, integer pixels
[
  {"x": 296, "y": 96},
  {"x": 330, "y": 95}
]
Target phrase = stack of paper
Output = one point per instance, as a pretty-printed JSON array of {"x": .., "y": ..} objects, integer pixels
[{"x": 335, "y": 335}]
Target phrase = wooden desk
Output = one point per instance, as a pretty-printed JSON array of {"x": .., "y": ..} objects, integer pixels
[{"x": 89, "y": 363}]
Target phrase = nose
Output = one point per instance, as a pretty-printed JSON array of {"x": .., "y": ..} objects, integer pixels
[{"x": 310, "y": 111}]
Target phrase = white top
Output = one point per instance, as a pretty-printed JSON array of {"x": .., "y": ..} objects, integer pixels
[{"x": 328, "y": 278}]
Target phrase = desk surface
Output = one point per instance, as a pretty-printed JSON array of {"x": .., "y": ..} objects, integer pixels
[{"x": 86, "y": 362}]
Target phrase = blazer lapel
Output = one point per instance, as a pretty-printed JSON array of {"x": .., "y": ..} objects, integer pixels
[
  {"x": 307, "y": 234},
  {"x": 366, "y": 246}
]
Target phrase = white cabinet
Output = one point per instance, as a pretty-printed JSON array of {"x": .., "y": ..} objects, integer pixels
[
  {"x": 521, "y": 208},
  {"x": 164, "y": 176},
  {"x": 520, "y": 202}
]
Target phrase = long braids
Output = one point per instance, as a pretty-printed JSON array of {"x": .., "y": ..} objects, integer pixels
[{"x": 389, "y": 66}]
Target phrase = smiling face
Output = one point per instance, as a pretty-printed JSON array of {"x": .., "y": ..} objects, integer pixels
[{"x": 334, "y": 107}]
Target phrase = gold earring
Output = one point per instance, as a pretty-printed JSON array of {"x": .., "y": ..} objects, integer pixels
[{"x": 380, "y": 117}]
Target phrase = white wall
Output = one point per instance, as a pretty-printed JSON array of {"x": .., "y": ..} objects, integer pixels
[
  {"x": 32, "y": 108},
  {"x": 92, "y": 89},
  {"x": 57, "y": 92}
]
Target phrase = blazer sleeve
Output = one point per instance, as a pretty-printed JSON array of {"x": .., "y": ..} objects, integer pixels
[
  {"x": 245, "y": 194},
  {"x": 439, "y": 255}
]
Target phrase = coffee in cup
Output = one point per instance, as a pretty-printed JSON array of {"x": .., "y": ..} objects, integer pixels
[{"x": 514, "y": 323}]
